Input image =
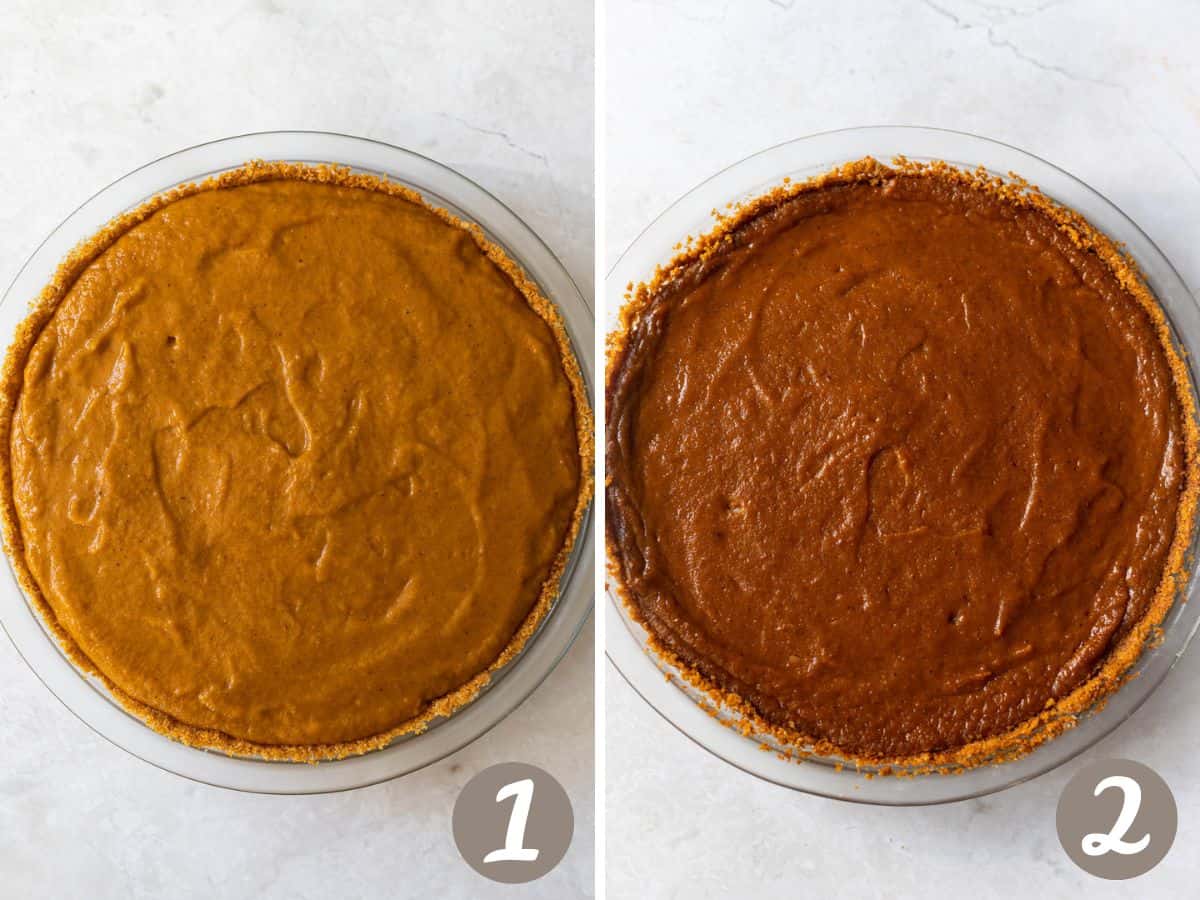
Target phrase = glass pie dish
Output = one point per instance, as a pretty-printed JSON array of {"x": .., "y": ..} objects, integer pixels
[
  {"x": 693, "y": 713},
  {"x": 440, "y": 186}
]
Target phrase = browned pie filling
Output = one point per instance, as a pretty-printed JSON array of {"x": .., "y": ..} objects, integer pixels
[
  {"x": 292, "y": 461},
  {"x": 903, "y": 460}
]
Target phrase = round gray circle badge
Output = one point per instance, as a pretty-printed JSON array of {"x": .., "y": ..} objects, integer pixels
[
  {"x": 513, "y": 822},
  {"x": 1117, "y": 819}
]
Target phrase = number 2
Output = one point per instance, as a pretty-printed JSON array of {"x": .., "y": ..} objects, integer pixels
[
  {"x": 514, "y": 849},
  {"x": 1097, "y": 844}
]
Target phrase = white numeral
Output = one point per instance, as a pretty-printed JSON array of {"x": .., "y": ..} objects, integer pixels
[
  {"x": 514, "y": 849},
  {"x": 1098, "y": 844}
]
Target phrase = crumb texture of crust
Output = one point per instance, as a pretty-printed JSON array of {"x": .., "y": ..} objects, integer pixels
[
  {"x": 1059, "y": 714},
  {"x": 42, "y": 313}
]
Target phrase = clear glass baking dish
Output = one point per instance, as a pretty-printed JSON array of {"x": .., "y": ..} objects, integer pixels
[
  {"x": 443, "y": 187},
  {"x": 625, "y": 640}
]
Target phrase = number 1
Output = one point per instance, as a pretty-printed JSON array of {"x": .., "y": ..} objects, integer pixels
[{"x": 514, "y": 849}]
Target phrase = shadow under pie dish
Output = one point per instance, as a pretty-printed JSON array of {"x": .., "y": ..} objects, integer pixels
[
  {"x": 293, "y": 461},
  {"x": 900, "y": 465}
]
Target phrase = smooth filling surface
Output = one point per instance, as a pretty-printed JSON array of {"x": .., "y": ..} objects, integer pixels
[
  {"x": 899, "y": 464},
  {"x": 292, "y": 459}
]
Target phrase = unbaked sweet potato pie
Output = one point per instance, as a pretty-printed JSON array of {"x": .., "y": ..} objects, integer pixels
[{"x": 292, "y": 461}]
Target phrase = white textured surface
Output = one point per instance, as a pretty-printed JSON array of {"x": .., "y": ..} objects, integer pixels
[
  {"x": 500, "y": 91},
  {"x": 1108, "y": 90}
]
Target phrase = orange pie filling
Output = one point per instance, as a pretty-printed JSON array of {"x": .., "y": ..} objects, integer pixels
[{"x": 293, "y": 460}]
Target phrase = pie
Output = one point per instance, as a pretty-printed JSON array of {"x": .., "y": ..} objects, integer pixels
[
  {"x": 901, "y": 465},
  {"x": 292, "y": 461}
]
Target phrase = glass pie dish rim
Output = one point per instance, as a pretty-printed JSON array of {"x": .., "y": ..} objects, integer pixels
[
  {"x": 626, "y": 641},
  {"x": 442, "y": 186}
]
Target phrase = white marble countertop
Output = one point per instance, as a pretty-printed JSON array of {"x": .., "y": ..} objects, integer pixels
[
  {"x": 1108, "y": 90},
  {"x": 501, "y": 91}
]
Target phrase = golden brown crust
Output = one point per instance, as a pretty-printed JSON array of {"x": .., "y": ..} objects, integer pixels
[
  {"x": 1058, "y": 716},
  {"x": 43, "y": 309}
]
